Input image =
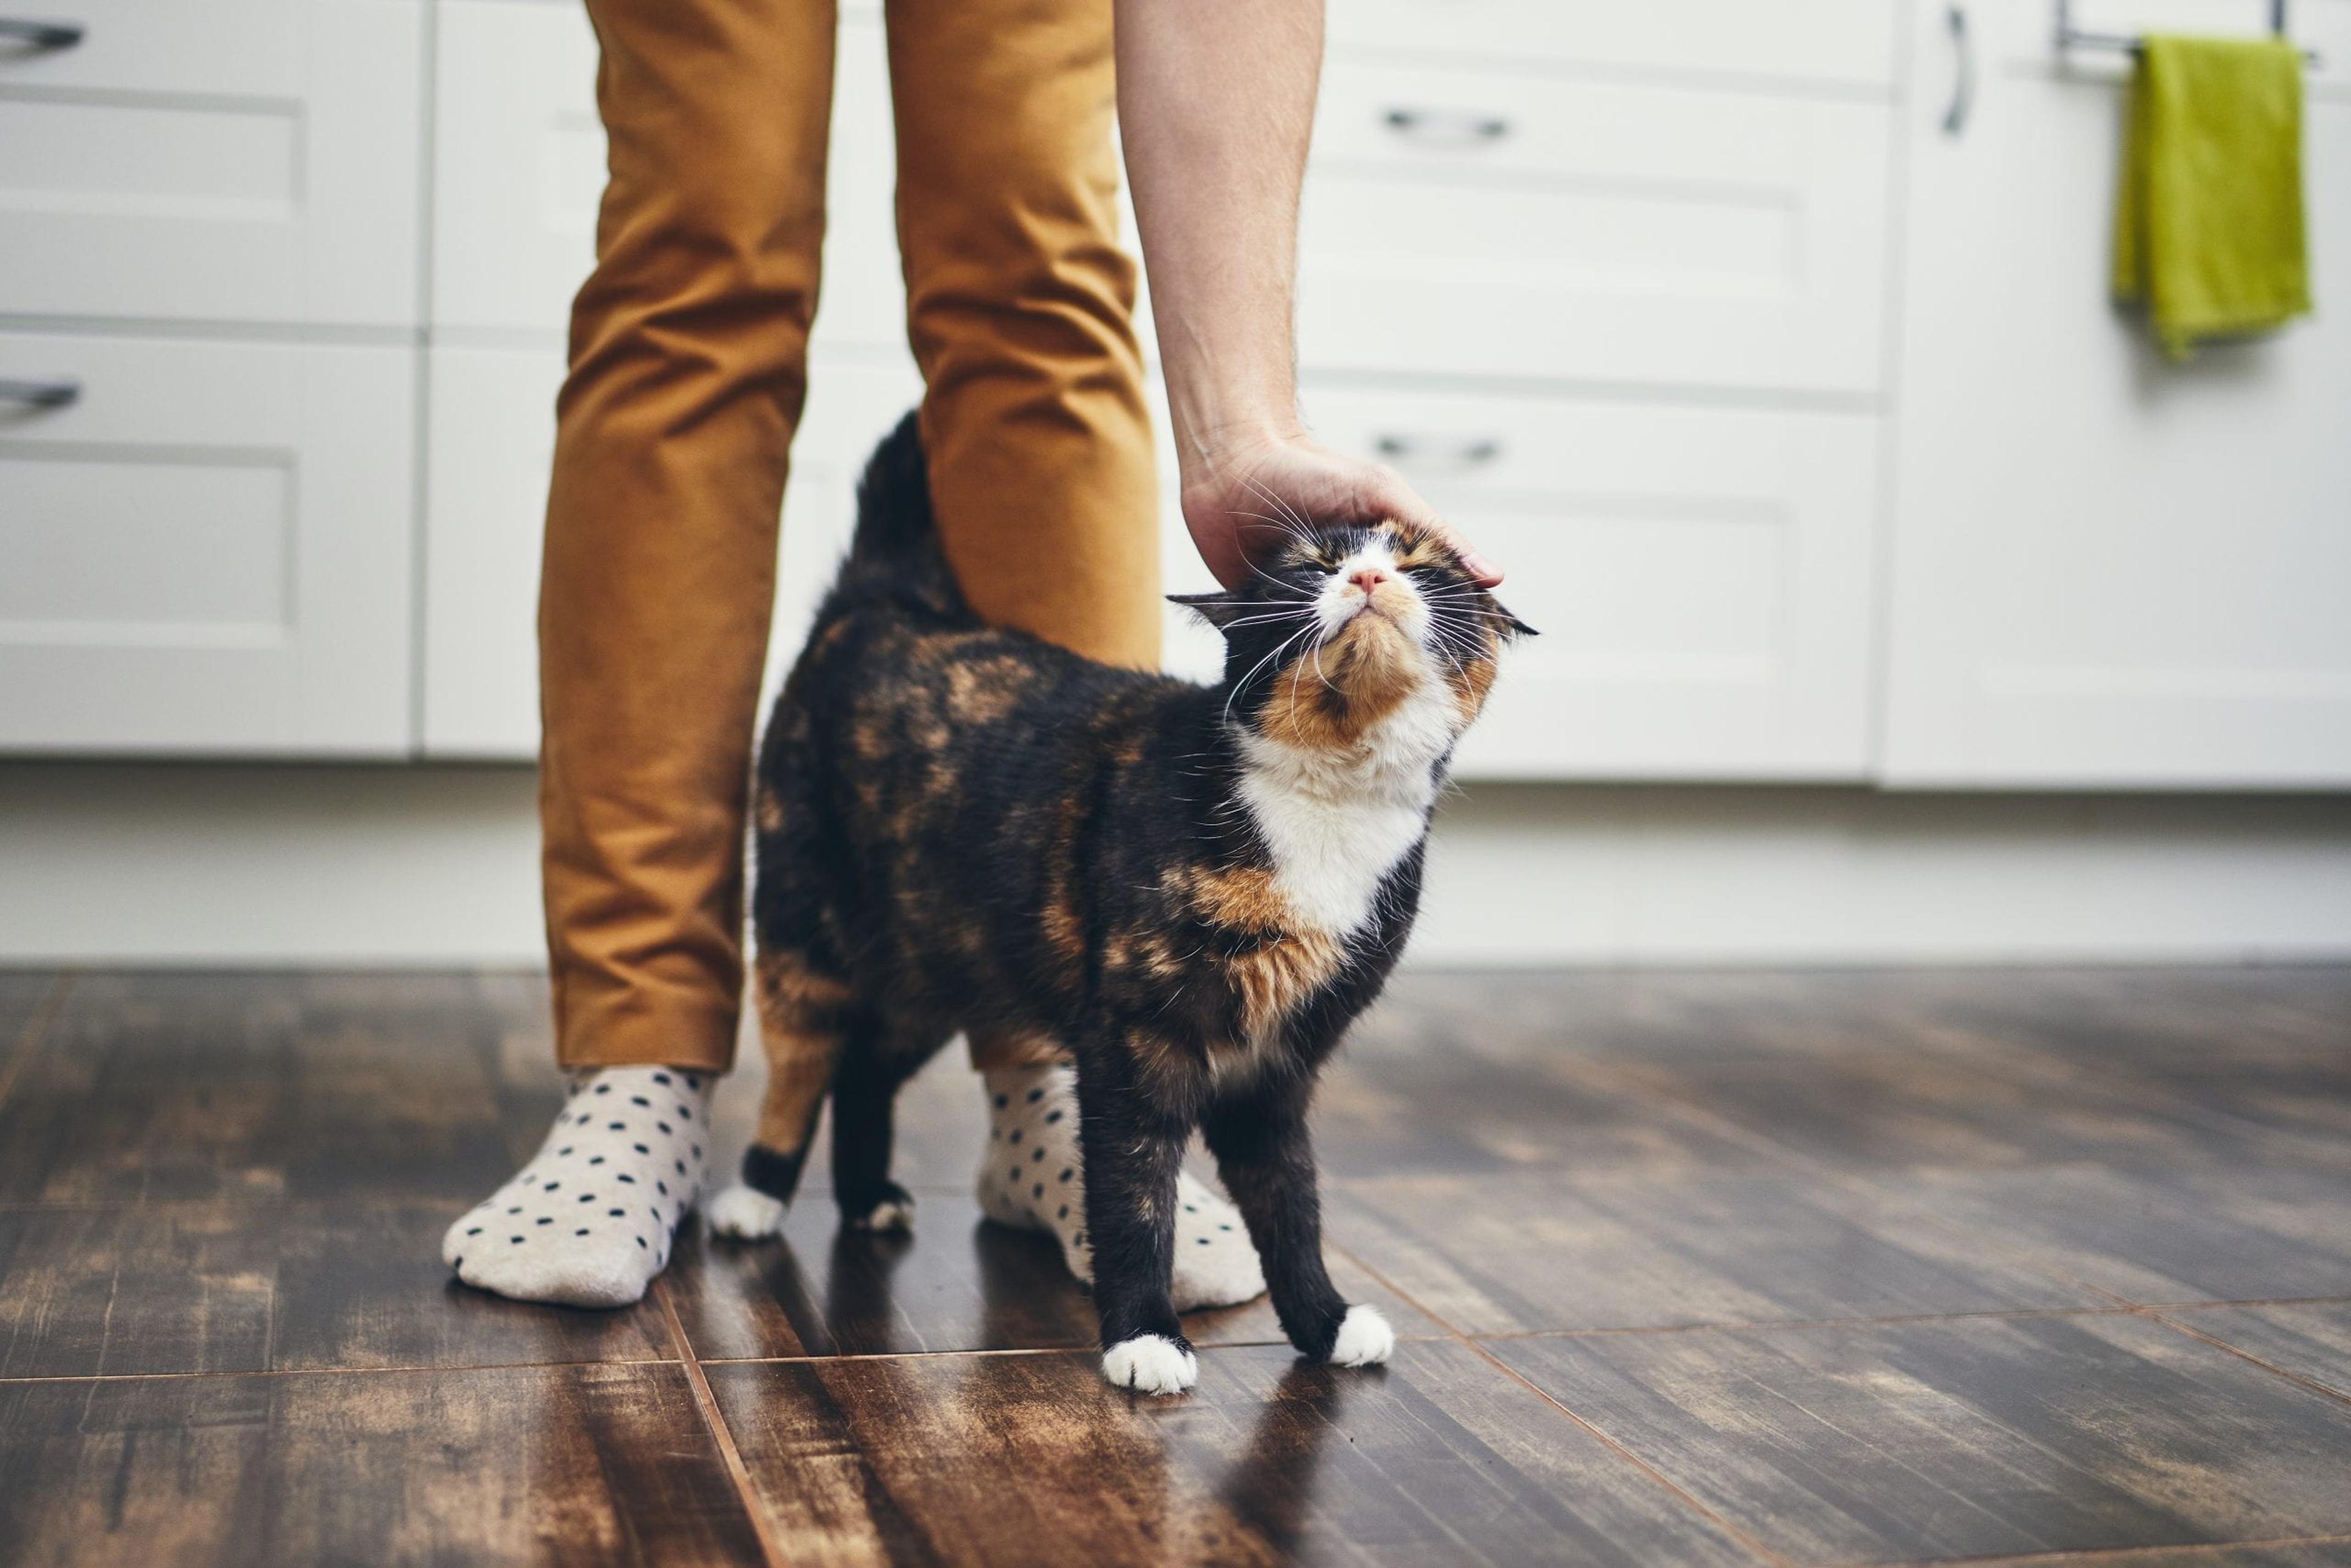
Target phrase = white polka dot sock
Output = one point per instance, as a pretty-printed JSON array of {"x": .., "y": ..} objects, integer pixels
[
  {"x": 1032, "y": 1177},
  {"x": 587, "y": 1222}
]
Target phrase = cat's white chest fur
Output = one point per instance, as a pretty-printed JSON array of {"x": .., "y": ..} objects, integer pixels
[{"x": 1337, "y": 824}]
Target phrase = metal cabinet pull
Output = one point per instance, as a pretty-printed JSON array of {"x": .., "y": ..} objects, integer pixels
[
  {"x": 1475, "y": 452},
  {"x": 41, "y": 394},
  {"x": 1446, "y": 127},
  {"x": 38, "y": 37},
  {"x": 1963, "y": 81}
]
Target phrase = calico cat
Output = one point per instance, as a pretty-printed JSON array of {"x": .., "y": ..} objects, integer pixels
[{"x": 1193, "y": 890}]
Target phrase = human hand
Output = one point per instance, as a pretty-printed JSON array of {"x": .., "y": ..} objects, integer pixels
[{"x": 1238, "y": 503}]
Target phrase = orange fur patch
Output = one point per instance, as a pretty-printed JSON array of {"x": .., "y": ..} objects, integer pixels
[
  {"x": 798, "y": 1028},
  {"x": 1289, "y": 962},
  {"x": 982, "y": 691},
  {"x": 1329, "y": 697}
]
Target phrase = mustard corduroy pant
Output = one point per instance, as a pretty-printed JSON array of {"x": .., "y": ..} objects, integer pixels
[{"x": 689, "y": 369}]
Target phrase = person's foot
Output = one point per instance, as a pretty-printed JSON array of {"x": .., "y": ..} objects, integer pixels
[
  {"x": 1032, "y": 1177},
  {"x": 588, "y": 1221}
]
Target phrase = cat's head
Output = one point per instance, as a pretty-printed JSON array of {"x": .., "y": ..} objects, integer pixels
[{"x": 1345, "y": 629}]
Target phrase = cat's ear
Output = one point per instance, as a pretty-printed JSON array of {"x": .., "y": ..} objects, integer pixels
[
  {"x": 1218, "y": 610},
  {"x": 1512, "y": 626}
]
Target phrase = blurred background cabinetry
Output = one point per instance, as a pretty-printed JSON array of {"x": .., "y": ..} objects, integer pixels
[{"x": 1802, "y": 423}]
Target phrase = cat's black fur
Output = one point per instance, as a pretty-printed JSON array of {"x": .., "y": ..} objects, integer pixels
[{"x": 966, "y": 829}]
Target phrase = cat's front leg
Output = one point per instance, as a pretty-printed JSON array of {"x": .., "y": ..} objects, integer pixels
[
  {"x": 1266, "y": 1161},
  {"x": 1133, "y": 1152}
]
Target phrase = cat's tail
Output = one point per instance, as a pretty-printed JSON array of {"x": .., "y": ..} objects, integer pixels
[{"x": 897, "y": 549}]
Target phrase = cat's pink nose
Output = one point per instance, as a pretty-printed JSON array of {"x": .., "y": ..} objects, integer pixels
[{"x": 1367, "y": 577}]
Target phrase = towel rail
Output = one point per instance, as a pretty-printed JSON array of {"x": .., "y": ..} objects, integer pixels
[{"x": 2069, "y": 36}]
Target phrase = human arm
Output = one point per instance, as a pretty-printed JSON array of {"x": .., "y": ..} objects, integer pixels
[{"x": 1216, "y": 103}]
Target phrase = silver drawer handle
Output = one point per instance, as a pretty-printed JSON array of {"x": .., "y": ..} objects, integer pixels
[
  {"x": 1474, "y": 453},
  {"x": 1446, "y": 127},
  {"x": 41, "y": 394},
  {"x": 37, "y": 37}
]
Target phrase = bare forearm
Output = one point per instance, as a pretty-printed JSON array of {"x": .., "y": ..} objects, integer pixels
[
  {"x": 1216, "y": 102},
  {"x": 1215, "y": 105}
]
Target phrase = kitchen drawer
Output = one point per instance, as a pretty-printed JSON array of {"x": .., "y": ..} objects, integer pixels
[
  {"x": 519, "y": 171},
  {"x": 1700, "y": 577},
  {"x": 1499, "y": 222},
  {"x": 237, "y": 160},
  {"x": 1843, "y": 43},
  {"x": 208, "y": 552},
  {"x": 491, "y": 435}
]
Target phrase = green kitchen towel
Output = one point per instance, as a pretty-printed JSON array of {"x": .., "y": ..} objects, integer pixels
[{"x": 2209, "y": 223}]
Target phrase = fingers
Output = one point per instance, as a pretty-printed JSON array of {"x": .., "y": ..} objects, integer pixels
[
  {"x": 1240, "y": 512},
  {"x": 1477, "y": 565},
  {"x": 1397, "y": 498}
]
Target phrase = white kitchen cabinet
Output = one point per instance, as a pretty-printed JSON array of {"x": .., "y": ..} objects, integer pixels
[
  {"x": 518, "y": 170},
  {"x": 238, "y": 160},
  {"x": 1699, "y": 576},
  {"x": 1507, "y": 223},
  {"x": 2109, "y": 570},
  {"x": 208, "y": 552}
]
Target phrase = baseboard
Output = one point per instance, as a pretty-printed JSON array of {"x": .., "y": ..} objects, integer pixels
[{"x": 252, "y": 865}]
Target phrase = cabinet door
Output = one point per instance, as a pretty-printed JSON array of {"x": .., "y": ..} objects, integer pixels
[
  {"x": 491, "y": 434},
  {"x": 233, "y": 160},
  {"x": 1700, "y": 578},
  {"x": 1508, "y": 223},
  {"x": 2108, "y": 569},
  {"x": 1849, "y": 43},
  {"x": 209, "y": 551},
  {"x": 518, "y": 170}
]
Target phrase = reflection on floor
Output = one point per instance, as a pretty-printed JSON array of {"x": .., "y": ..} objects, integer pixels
[{"x": 1705, "y": 1268}]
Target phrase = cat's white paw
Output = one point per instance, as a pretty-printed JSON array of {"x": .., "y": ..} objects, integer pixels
[
  {"x": 746, "y": 1212},
  {"x": 895, "y": 1215},
  {"x": 1365, "y": 1339},
  {"x": 1151, "y": 1364}
]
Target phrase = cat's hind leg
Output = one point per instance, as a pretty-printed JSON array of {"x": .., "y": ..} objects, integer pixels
[
  {"x": 864, "y": 1101},
  {"x": 806, "y": 1016}
]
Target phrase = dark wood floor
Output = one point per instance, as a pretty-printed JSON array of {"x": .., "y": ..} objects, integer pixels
[{"x": 1709, "y": 1269}]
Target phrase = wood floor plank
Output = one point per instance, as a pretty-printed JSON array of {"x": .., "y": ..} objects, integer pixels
[
  {"x": 2309, "y": 1339},
  {"x": 1988, "y": 1069},
  {"x": 180, "y": 1086},
  {"x": 22, "y": 993},
  {"x": 218, "y": 1287},
  {"x": 956, "y": 1284},
  {"x": 2189, "y": 1235},
  {"x": 1535, "y": 1252},
  {"x": 1031, "y": 1460},
  {"x": 1965, "y": 1438},
  {"x": 578, "y": 1464}
]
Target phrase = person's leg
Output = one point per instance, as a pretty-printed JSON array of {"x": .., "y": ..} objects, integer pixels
[
  {"x": 688, "y": 363},
  {"x": 1020, "y": 309}
]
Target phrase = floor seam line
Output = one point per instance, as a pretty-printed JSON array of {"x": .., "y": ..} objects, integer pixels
[
  {"x": 2100, "y": 1553},
  {"x": 714, "y": 1419},
  {"x": 2337, "y": 1394},
  {"x": 19, "y": 1378},
  {"x": 1761, "y": 1323},
  {"x": 1656, "y": 1478}
]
